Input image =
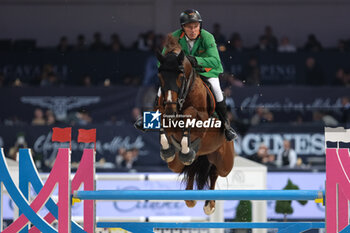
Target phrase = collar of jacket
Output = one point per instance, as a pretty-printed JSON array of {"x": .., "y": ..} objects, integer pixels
[{"x": 183, "y": 43}]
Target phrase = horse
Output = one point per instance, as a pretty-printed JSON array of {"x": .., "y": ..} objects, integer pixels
[{"x": 200, "y": 154}]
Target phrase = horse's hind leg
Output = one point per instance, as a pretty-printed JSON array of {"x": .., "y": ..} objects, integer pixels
[
  {"x": 223, "y": 159},
  {"x": 177, "y": 166},
  {"x": 209, "y": 206},
  {"x": 189, "y": 186}
]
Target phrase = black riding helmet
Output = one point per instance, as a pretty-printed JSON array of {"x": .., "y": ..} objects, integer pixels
[{"x": 189, "y": 16}]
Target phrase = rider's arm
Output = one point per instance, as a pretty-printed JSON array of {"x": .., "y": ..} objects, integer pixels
[{"x": 211, "y": 59}]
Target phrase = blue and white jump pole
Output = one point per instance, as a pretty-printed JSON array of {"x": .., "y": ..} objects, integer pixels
[{"x": 200, "y": 195}]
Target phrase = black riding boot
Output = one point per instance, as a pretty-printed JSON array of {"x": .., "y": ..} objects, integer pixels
[
  {"x": 221, "y": 110},
  {"x": 139, "y": 122}
]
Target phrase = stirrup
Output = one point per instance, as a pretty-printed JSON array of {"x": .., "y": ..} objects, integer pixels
[
  {"x": 139, "y": 124},
  {"x": 230, "y": 133}
]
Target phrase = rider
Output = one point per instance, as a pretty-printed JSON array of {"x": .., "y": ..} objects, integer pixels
[{"x": 200, "y": 48}]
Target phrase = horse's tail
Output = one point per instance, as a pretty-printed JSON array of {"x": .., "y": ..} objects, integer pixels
[{"x": 199, "y": 171}]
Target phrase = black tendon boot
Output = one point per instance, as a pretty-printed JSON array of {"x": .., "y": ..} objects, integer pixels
[
  {"x": 221, "y": 110},
  {"x": 139, "y": 122}
]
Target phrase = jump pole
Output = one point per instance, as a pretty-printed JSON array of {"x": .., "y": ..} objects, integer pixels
[{"x": 200, "y": 195}]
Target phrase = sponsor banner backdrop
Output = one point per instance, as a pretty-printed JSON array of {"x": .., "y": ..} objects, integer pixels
[
  {"x": 101, "y": 103},
  {"x": 117, "y": 103},
  {"x": 307, "y": 141},
  {"x": 110, "y": 139}
]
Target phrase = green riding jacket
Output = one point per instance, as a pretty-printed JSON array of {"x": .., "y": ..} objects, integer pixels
[{"x": 205, "y": 52}]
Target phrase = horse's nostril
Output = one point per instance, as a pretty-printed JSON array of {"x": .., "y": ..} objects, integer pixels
[{"x": 170, "y": 109}]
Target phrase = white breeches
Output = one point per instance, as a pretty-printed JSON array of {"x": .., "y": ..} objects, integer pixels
[{"x": 215, "y": 87}]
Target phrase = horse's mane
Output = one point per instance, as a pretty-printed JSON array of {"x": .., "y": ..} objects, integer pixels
[{"x": 172, "y": 44}]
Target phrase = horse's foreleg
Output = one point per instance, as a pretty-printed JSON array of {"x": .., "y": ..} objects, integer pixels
[
  {"x": 187, "y": 155},
  {"x": 167, "y": 151},
  {"x": 209, "y": 206},
  {"x": 191, "y": 139}
]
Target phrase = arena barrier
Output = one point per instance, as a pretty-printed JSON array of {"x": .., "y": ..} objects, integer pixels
[{"x": 337, "y": 198}]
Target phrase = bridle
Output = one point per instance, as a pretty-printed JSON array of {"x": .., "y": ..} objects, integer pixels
[{"x": 186, "y": 84}]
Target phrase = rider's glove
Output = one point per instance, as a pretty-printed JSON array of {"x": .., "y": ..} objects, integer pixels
[{"x": 193, "y": 60}]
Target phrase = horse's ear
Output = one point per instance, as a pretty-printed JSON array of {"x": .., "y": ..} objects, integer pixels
[
  {"x": 181, "y": 57},
  {"x": 160, "y": 56}
]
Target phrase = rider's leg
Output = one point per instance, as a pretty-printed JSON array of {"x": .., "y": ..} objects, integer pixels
[
  {"x": 221, "y": 108},
  {"x": 139, "y": 122}
]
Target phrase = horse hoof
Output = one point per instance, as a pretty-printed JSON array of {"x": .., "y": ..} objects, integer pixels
[
  {"x": 209, "y": 207},
  {"x": 168, "y": 155},
  {"x": 191, "y": 204},
  {"x": 187, "y": 159}
]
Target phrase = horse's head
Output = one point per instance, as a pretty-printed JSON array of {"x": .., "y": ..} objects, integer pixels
[{"x": 175, "y": 74}]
